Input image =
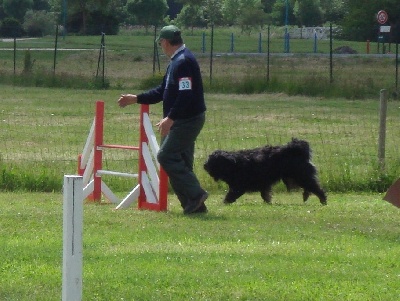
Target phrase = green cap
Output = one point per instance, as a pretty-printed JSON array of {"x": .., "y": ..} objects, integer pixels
[{"x": 169, "y": 32}]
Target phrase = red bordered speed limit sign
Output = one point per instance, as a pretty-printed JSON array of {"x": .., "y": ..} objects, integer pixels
[{"x": 382, "y": 17}]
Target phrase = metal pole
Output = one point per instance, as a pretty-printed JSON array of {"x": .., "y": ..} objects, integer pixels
[
  {"x": 268, "y": 51},
  {"x": 287, "y": 13},
  {"x": 55, "y": 51},
  {"x": 64, "y": 18},
  {"x": 331, "y": 53},
  {"x": 397, "y": 64},
  {"x": 211, "y": 51},
  {"x": 286, "y": 27},
  {"x": 104, "y": 59},
  {"x": 203, "y": 47},
  {"x": 315, "y": 42},
  {"x": 15, "y": 52},
  {"x": 154, "y": 49}
]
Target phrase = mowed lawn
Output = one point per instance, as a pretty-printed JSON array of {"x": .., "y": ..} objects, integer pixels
[{"x": 347, "y": 250}]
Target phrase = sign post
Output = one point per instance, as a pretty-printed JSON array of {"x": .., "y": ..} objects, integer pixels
[{"x": 382, "y": 18}]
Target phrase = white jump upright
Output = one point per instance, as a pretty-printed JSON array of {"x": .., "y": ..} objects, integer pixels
[
  {"x": 152, "y": 188},
  {"x": 72, "y": 238}
]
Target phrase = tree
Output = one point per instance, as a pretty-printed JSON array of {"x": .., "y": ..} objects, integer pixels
[
  {"x": 211, "y": 9},
  {"x": 41, "y": 5},
  {"x": 213, "y": 12},
  {"x": 251, "y": 15},
  {"x": 308, "y": 12},
  {"x": 230, "y": 11},
  {"x": 17, "y": 8},
  {"x": 148, "y": 12},
  {"x": 174, "y": 8},
  {"x": 278, "y": 14},
  {"x": 268, "y": 5},
  {"x": 360, "y": 21},
  {"x": 79, "y": 10},
  {"x": 333, "y": 10},
  {"x": 39, "y": 23},
  {"x": 93, "y": 15},
  {"x": 191, "y": 16},
  {"x": 11, "y": 28},
  {"x": 360, "y": 24}
]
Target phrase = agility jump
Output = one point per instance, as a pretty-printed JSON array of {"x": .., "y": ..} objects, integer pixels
[{"x": 152, "y": 188}]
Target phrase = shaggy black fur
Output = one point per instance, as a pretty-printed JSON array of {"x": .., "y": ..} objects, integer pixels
[{"x": 260, "y": 168}]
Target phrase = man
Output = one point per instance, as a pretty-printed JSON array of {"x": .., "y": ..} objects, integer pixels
[{"x": 181, "y": 92}]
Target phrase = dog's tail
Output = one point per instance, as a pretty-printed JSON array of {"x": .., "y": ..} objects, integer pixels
[{"x": 300, "y": 148}]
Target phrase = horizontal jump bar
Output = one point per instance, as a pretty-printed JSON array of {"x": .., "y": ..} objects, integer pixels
[
  {"x": 117, "y": 173},
  {"x": 118, "y": 146}
]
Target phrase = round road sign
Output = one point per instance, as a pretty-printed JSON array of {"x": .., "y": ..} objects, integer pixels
[{"x": 382, "y": 17}]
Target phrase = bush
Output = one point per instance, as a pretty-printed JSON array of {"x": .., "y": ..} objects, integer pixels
[
  {"x": 151, "y": 82},
  {"x": 39, "y": 23},
  {"x": 28, "y": 62},
  {"x": 11, "y": 28},
  {"x": 96, "y": 23}
]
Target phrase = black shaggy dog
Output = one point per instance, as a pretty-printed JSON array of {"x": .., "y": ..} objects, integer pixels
[{"x": 260, "y": 168}]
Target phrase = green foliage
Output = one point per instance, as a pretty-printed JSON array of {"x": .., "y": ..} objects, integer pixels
[
  {"x": 230, "y": 11},
  {"x": 191, "y": 16},
  {"x": 14, "y": 178},
  {"x": 39, "y": 23},
  {"x": 278, "y": 13},
  {"x": 94, "y": 16},
  {"x": 308, "y": 13},
  {"x": 150, "y": 82},
  {"x": 360, "y": 23},
  {"x": 43, "y": 78},
  {"x": 28, "y": 62},
  {"x": 213, "y": 12},
  {"x": 17, "y": 8},
  {"x": 11, "y": 28},
  {"x": 334, "y": 10},
  {"x": 147, "y": 12},
  {"x": 253, "y": 83},
  {"x": 251, "y": 15},
  {"x": 100, "y": 22}
]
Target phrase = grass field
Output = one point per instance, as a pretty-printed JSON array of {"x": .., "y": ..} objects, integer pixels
[
  {"x": 347, "y": 250},
  {"x": 44, "y": 130}
]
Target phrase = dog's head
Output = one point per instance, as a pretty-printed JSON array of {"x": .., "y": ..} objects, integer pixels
[{"x": 220, "y": 165}]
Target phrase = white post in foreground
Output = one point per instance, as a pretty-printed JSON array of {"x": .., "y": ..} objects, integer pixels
[{"x": 72, "y": 238}]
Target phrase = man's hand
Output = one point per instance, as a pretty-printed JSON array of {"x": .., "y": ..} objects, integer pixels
[
  {"x": 127, "y": 99},
  {"x": 164, "y": 126}
]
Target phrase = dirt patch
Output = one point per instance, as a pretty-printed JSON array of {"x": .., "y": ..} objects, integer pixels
[{"x": 345, "y": 50}]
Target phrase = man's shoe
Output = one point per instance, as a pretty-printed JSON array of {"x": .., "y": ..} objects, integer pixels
[
  {"x": 202, "y": 209},
  {"x": 194, "y": 206}
]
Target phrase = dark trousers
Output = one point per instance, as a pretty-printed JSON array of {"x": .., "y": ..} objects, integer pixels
[{"x": 176, "y": 156}]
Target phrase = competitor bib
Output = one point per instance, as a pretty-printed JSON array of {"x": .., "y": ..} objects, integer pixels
[{"x": 185, "y": 83}]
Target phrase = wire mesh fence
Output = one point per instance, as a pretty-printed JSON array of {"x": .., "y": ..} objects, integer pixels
[
  {"x": 343, "y": 135},
  {"x": 126, "y": 59},
  {"x": 42, "y": 138}
]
